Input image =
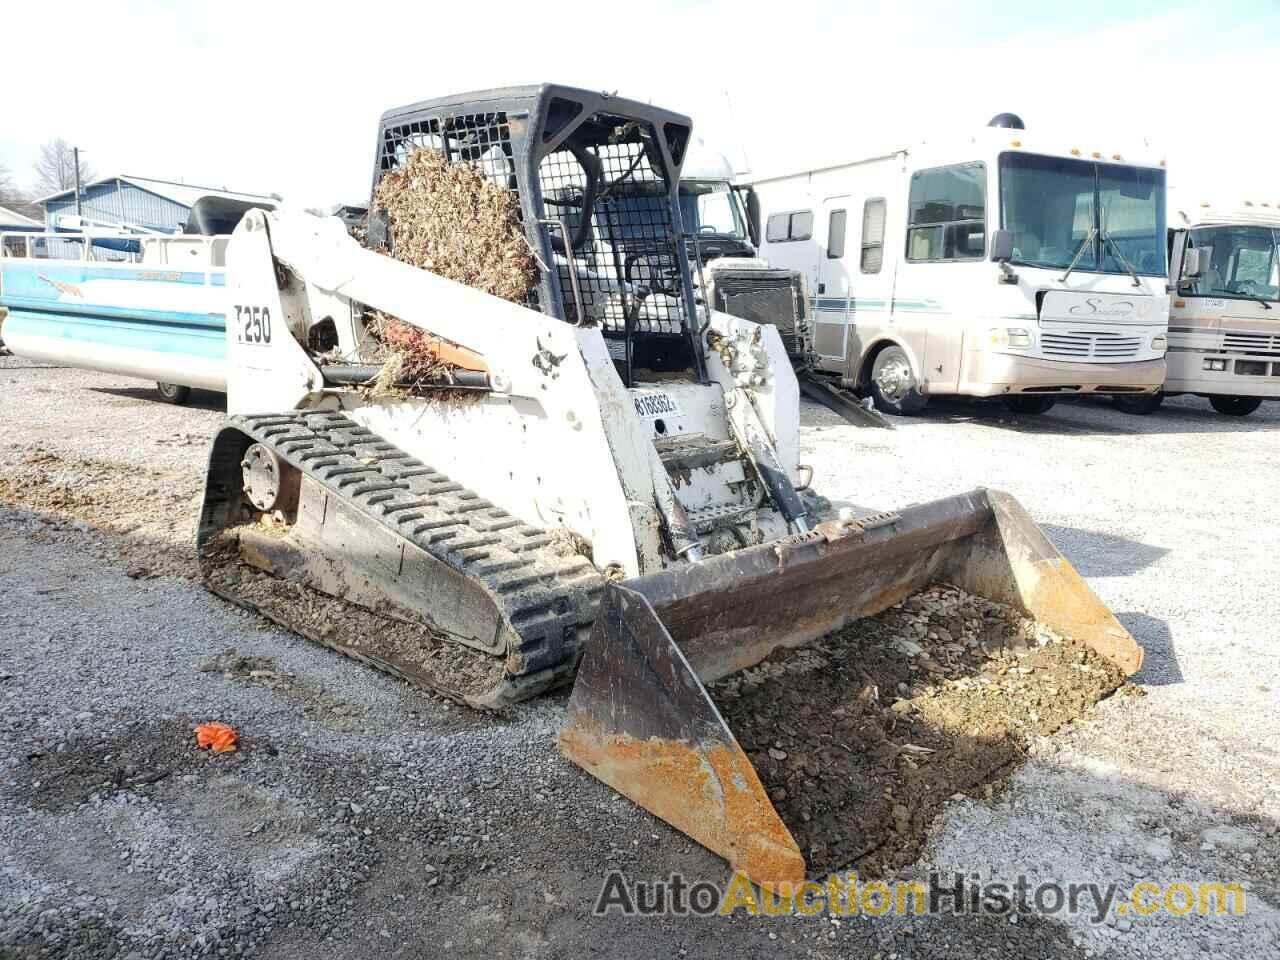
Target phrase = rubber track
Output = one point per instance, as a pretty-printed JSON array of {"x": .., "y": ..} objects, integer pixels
[{"x": 549, "y": 598}]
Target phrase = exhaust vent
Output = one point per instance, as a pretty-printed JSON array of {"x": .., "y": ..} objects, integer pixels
[{"x": 1010, "y": 121}]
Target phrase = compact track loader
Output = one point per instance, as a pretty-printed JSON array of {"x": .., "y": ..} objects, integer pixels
[{"x": 606, "y": 473}]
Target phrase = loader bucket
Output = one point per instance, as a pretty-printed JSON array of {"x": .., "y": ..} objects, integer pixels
[{"x": 641, "y": 720}]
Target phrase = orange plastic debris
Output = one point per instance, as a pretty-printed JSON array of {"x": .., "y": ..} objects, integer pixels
[{"x": 218, "y": 737}]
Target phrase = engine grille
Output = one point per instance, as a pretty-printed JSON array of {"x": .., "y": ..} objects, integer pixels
[
  {"x": 1259, "y": 343},
  {"x": 1097, "y": 345},
  {"x": 764, "y": 296},
  {"x": 762, "y": 299}
]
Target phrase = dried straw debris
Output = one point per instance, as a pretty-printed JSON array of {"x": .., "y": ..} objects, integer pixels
[
  {"x": 412, "y": 360},
  {"x": 451, "y": 219}
]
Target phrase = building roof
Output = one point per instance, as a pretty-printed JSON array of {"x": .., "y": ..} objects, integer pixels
[
  {"x": 10, "y": 217},
  {"x": 185, "y": 194}
]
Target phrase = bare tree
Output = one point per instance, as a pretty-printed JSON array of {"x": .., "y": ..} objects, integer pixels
[
  {"x": 56, "y": 168},
  {"x": 8, "y": 188}
]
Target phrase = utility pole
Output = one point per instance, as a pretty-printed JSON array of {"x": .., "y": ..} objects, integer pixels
[{"x": 75, "y": 154}]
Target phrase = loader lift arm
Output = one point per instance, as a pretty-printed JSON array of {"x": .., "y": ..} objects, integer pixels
[{"x": 332, "y": 270}]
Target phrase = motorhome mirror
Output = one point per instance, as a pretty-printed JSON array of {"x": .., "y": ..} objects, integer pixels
[
  {"x": 753, "y": 214},
  {"x": 1194, "y": 262},
  {"x": 1002, "y": 246}
]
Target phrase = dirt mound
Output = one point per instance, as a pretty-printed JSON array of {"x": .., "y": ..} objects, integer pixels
[{"x": 861, "y": 738}]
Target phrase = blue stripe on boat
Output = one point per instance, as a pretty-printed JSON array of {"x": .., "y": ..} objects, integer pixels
[
  {"x": 173, "y": 318},
  {"x": 30, "y": 275},
  {"x": 152, "y": 335}
]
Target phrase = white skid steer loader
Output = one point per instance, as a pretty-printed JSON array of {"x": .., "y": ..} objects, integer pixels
[{"x": 606, "y": 481}]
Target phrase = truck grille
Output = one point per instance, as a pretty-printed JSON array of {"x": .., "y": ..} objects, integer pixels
[
  {"x": 1259, "y": 343},
  {"x": 1098, "y": 345},
  {"x": 765, "y": 296},
  {"x": 762, "y": 296}
]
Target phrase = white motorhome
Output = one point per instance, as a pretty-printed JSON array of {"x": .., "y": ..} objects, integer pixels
[
  {"x": 1224, "y": 322},
  {"x": 1002, "y": 264}
]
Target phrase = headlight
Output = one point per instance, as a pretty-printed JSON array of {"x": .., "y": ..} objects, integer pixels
[
  {"x": 1010, "y": 337},
  {"x": 1159, "y": 343},
  {"x": 1217, "y": 365}
]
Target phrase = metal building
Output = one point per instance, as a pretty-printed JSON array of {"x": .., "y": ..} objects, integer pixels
[
  {"x": 14, "y": 221},
  {"x": 160, "y": 205}
]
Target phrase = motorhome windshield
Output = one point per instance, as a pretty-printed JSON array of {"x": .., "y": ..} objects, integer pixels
[
  {"x": 1104, "y": 217},
  {"x": 1244, "y": 263},
  {"x": 711, "y": 208}
]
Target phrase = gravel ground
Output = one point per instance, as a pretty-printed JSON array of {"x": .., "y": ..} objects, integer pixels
[{"x": 362, "y": 815}]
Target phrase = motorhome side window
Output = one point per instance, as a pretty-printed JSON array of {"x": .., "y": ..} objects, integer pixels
[
  {"x": 947, "y": 213},
  {"x": 793, "y": 225},
  {"x": 835, "y": 234},
  {"x": 872, "y": 235}
]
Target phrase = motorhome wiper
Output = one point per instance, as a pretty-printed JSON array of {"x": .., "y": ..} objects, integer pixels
[
  {"x": 1115, "y": 248},
  {"x": 1084, "y": 245},
  {"x": 1243, "y": 295}
]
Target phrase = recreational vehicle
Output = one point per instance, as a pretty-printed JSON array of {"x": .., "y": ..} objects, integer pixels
[
  {"x": 1224, "y": 321},
  {"x": 1003, "y": 264}
]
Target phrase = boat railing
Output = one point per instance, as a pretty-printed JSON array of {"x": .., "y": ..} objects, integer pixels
[{"x": 192, "y": 251}]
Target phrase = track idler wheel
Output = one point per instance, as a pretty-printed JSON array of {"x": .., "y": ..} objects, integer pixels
[{"x": 270, "y": 484}]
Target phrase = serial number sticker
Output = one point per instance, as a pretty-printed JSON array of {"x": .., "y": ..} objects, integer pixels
[{"x": 651, "y": 406}]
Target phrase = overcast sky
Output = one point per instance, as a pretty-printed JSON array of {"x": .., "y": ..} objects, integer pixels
[{"x": 274, "y": 96}]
